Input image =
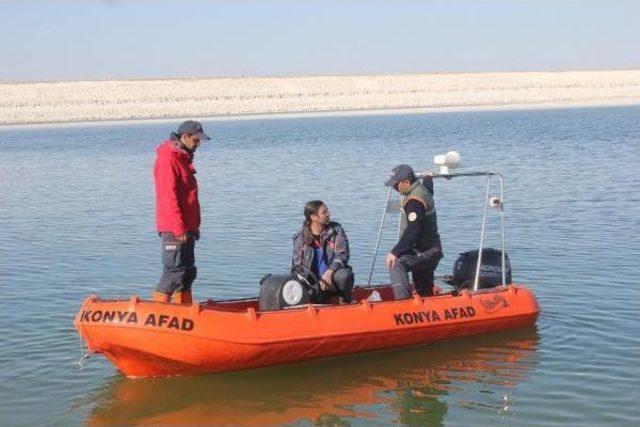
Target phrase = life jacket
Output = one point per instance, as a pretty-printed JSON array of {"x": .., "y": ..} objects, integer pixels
[{"x": 429, "y": 236}]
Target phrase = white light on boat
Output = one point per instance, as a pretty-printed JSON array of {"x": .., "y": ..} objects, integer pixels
[{"x": 448, "y": 161}]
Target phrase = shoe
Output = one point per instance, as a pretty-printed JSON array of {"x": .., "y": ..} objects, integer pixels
[
  {"x": 160, "y": 297},
  {"x": 182, "y": 297}
]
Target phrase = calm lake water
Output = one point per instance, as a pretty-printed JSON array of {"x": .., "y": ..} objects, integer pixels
[{"x": 77, "y": 214}]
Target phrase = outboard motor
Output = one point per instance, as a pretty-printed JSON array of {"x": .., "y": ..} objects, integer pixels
[
  {"x": 464, "y": 270},
  {"x": 278, "y": 291}
]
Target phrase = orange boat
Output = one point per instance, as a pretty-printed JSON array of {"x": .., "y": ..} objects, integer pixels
[{"x": 145, "y": 338}]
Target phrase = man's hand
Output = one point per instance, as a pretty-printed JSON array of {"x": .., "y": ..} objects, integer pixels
[
  {"x": 182, "y": 238},
  {"x": 326, "y": 280},
  {"x": 390, "y": 261}
]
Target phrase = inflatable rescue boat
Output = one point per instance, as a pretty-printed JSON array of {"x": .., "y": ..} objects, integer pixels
[{"x": 144, "y": 338}]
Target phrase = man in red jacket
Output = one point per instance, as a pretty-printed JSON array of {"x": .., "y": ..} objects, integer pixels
[{"x": 178, "y": 211}]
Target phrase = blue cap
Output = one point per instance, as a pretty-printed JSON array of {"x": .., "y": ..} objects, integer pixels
[
  {"x": 399, "y": 173},
  {"x": 192, "y": 128}
]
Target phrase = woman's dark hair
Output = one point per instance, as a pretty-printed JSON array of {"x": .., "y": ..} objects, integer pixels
[{"x": 311, "y": 208}]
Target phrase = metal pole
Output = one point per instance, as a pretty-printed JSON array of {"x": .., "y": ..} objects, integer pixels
[
  {"x": 402, "y": 197},
  {"x": 502, "y": 237},
  {"x": 375, "y": 251},
  {"x": 484, "y": 223}
]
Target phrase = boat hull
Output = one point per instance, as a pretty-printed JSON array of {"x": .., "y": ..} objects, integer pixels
[{"x": 144, "y": 338}]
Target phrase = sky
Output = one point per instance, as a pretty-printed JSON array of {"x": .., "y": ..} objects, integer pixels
[{"x": 118, "y": 39}]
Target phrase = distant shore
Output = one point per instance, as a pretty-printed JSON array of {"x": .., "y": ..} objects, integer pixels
[{"x": 126, "y": 100}]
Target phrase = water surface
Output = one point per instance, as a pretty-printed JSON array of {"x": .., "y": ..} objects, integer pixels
[{"x": 77, "y": 214}]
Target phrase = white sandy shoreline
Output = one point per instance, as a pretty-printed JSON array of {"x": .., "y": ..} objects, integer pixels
[
  {"x": 104, "y": 102},
  {"x": 343, "y": 113}
]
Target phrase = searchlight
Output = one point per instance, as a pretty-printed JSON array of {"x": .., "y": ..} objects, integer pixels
[{"x": 448, "y": 161}]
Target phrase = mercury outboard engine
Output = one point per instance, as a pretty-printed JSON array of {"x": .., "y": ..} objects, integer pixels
[
  {"x": 464, "y": 270},
  {"x": 278, "y": 291}
]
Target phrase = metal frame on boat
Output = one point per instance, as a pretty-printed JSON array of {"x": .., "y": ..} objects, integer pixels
[{"x": 447, "y": 162}]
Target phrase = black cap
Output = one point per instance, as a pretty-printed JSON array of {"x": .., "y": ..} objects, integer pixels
[
  {"x": 399, "y": 173},
  {"x": 193, "y": 128}
]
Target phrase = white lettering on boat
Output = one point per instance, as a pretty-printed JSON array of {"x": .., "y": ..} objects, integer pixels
[{"x": 491, "y": 268}]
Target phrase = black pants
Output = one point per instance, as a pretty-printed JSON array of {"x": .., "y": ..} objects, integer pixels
[
  {"x": 178, "y": 260},
  {"x": 421, "y": 268},
  {"x": 343, "y": 280}
]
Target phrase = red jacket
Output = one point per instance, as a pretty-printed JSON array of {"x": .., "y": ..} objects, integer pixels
[{"x": 177, "y": 206}]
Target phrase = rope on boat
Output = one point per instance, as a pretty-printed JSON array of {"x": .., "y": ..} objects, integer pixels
[
  {"x": 81, "y": 363},
  {"x": 84, "y": 355}
]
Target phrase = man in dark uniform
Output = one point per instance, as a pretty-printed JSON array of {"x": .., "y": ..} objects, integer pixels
[{"x": 419, "y": 249}]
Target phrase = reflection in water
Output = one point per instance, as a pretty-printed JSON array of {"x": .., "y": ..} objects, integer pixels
[{"x": 410, "y": 385}]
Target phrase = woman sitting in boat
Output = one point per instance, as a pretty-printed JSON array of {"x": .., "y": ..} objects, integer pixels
[{"x": 322, "y": 247}]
